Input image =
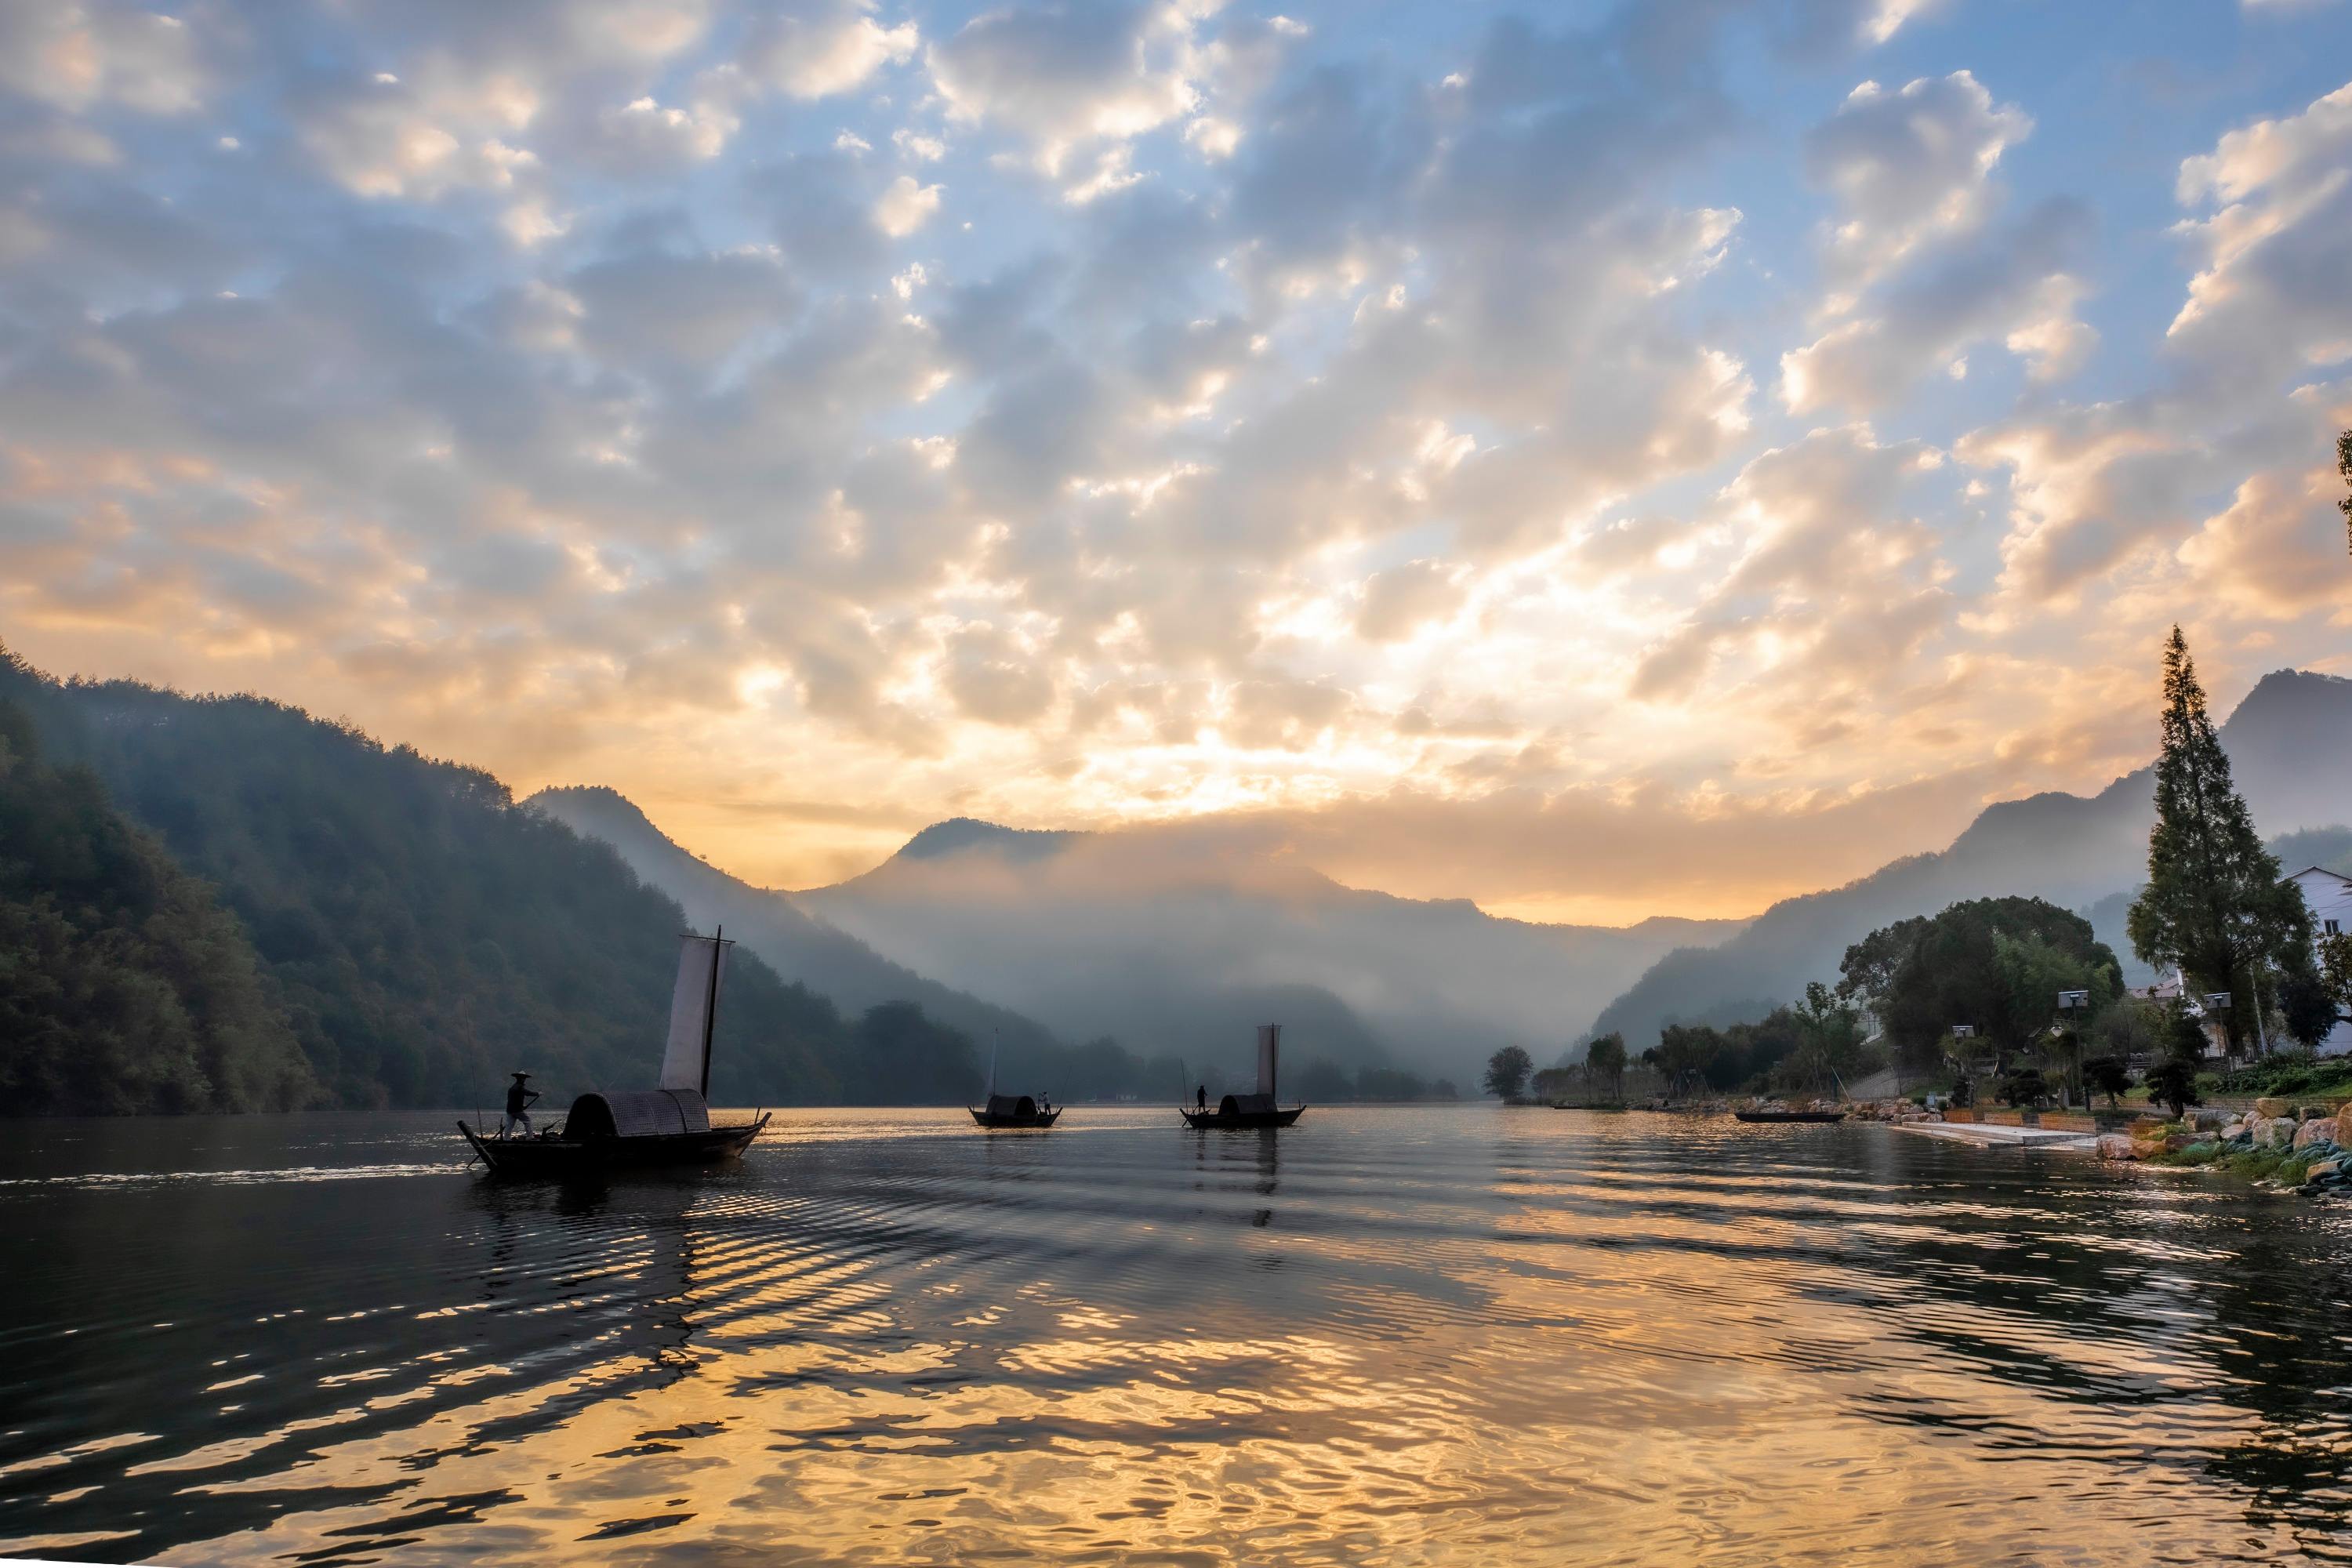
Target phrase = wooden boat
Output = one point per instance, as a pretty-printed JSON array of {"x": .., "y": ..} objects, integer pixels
[
  {"x": 624, "y": 1129},
  {"x": 1257, "y": 1109},
  {"x": 1012, "y": 1110},
  {"x": 1008, "y": 1112},
  {"x": 1789, "y": 1115}
]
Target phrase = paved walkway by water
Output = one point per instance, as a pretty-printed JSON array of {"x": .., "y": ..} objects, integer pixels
[{"x": 1988, "y": 1133}]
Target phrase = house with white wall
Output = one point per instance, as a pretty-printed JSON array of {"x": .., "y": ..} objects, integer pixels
[{"x": 2329, "y": 896}]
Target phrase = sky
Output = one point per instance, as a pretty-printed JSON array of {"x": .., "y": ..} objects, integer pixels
[{"x": 1595, "y": 460}]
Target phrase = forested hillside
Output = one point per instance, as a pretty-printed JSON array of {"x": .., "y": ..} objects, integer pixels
[
  {"x": 420, "y": 935},
  {"x": 123, "y": 986}
]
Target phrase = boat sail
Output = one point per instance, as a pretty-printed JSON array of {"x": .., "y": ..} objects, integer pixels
[
  {"x": 1259, "y": 1109},
  {"x": 667, "y": 1125}
]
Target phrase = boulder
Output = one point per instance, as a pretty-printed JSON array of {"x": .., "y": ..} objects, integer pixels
[
  {"x": 2116, "y": 1146},
  {"x": 2267, "y": 1109},
  {"x": 2344, "y": 1126},
  {"x": 2313, "y": 1113},
  {"x": 2319, "y": 1130},
  {"x": 2235, "y": 1127},
  {"x": 2271, "y": 1132},
  {"x": 2328, "y": 1172},
  {"x": 2205, "y": 1120}
]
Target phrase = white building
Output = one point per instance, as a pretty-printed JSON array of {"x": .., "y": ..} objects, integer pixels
[{"x": 2330, "y": 898}]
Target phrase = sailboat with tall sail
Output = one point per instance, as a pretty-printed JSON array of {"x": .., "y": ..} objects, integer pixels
[
  {"x": 1010, "y": 1111},
  {"x": 1259, "y": 1109},
  {"x": 668, "y": 1125}
]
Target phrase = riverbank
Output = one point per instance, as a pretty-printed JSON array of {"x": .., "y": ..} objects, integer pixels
[{"x": 2303, "y": 1147}]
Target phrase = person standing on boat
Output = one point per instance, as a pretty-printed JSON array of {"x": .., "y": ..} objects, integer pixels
[
  {"x": 1201, "y": 1097},
  {"x": 519, "y": 1094}
]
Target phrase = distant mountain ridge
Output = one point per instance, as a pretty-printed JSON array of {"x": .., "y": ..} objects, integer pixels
[
  {"x": 2290, "y": 745},
  {"x": 799, "y": 946},
  {"x": 1174, "y": 942}
]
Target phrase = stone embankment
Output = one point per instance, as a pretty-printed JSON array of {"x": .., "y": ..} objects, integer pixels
[{"x": 2304, "y": 1147}]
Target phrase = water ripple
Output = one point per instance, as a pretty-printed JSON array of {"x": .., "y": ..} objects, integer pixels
[{"x": 1383, "y": 1337}]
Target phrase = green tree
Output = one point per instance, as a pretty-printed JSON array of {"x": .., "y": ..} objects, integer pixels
[
  {"x": 1507, "y": 1073},
  {"x": 2024, "y": 1086},
  {"x": 2172, "y": 1080},
  {"x": 1605, "y": 1060},
  {"x": 1996, "y": 964},
  {"x": 2336, "y": 971},
  {"x": 2106, "y": 1075},
  {"x": 2306, "y": 1008},
  {"x": 2172, "y": 1083},
  {"x": 2132, "y": 1027},
  {"x": 2214, "y": 904}
]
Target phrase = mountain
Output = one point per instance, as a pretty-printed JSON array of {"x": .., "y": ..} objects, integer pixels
[
  {"x": 124, "y": 986},
  {"x": 797, "y": 945},
  {"x": 420, "y": 935},
  {"x": 1175, "y": 942},
  {"x": 2290, "y": 745}
]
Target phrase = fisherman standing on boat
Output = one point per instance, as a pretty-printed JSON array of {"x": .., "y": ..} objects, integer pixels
[
  {"x": 519, "y": 1094},
  {"x": 1200, "y": 1097}
]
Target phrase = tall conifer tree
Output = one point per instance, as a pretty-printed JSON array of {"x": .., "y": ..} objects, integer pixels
[
  {"x": 2214, "y": 903},
  {"x": 2344, "y": 467}
]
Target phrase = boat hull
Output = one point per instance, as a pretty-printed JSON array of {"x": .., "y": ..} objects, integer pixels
[
  {"x": 1219, "y": 1118},
  {"x": 545, "y": 1159},
  {"x": 1789, "y": 1115},
  {"x": 1039, "y": 1121}
]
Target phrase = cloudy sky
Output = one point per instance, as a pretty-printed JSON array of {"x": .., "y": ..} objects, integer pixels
[{"x": 1595, "y": 460}]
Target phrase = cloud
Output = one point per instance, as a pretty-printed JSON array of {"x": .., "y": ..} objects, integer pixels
[
  {"x": 1400, "y": 599},
  {"x": 1062, "y": 75},
  {"x": 1908, "y": 166},
  {"x": 1150, "y": 411},
  {"x": 78, "y": 56},
  {"x": 1828, "y": 580},
  {"x": 2276, "y": 553},
  {"x": 2013, "y": 286},
  {"x": 643, "y": 138},
  {"x": 821, "y": 48},
  {"x": 905, "y": 207},
  {"x": 2272, "y": 253}
]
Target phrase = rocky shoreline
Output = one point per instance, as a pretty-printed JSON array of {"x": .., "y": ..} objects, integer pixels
[{"x": 2277, "y": 1142}]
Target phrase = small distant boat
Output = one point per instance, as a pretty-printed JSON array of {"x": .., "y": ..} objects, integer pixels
[
  {"x": 1789, "y": 1115},
  {"x": 1010, "y": 1111},
  {"x": 615, "y": 1129},
  {"x": 1257, "y": 1109}
]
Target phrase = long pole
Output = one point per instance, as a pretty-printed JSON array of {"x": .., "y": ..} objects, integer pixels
[{"x": 710, "y": 1005}]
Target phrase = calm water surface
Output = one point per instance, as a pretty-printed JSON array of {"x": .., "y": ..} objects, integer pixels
[{"x": 1468, "y": 1335}]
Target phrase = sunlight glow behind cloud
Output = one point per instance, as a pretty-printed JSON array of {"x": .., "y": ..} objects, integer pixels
[{"x": 1652, "y": 461}]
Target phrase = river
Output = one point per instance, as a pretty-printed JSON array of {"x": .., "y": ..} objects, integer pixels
[{"x": 1387, "y": 1335}]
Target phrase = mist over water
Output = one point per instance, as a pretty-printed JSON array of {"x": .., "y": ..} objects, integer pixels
[{"x": 1387, "y": 1335}]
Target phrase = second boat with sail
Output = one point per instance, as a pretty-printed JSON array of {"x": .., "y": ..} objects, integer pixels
[{"x": 1257, "y": 1109}]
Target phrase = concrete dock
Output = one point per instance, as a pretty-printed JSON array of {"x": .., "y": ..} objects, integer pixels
[{"x": 1986, "y": 1133}]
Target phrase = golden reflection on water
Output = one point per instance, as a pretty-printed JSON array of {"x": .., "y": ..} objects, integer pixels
[{"x": 1384, "y": 1337}]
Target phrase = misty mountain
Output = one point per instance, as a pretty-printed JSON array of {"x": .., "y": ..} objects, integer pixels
[
  {"x": 1175, "y": 942},
  {"x": 797, "y": 945},
  {"x": 2290, "y": 745}
]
